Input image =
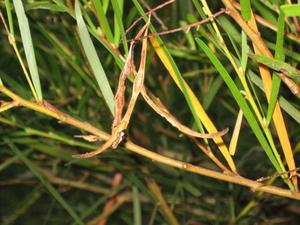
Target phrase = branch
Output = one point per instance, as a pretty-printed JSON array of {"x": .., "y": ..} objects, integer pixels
[{"x": 67, "y": 119}]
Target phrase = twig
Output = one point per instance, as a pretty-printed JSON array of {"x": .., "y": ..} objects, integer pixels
[
  {"x": 150, "y": 154},
  {"x": 120, "y": 123},
  {"x": 184, "y": 28},
  {"x": 290, "y": 172},
  {"x": 161, "y": 110},
  {"x": 207, "y": 151},
  {"x": 163, "y": 26},
  {"x": 148, "y": 13}
]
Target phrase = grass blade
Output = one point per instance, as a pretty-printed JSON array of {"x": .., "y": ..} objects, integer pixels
[
  {"x": 137, "y": 214},
  {"x": 246, "y": 9},
  {"x": 285, "y": 10},
  {"x": 103, "y": 20},
  {"x": 9, "y": 16},
  {"x": 278, "y": 65},
  {"x": 195, "y": 106},
  {"x": 119, "y": 26},
  {"x": 285, "y": 104},
  {"x": 93, "y": 59},
  {"x": 276, "y": 81},
  {"x": 242, "y": 103},
  {"x": 165, "y": 208},
  {"x": 28, "y": 47},
  {"x": 290, "y": 109}
]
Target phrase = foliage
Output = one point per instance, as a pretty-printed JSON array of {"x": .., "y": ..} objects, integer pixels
[{"x": 152, "y": 87}]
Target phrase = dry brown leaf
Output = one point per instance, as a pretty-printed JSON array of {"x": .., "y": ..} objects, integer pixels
[
  {"x": 160, "y": 109},
  {"x": 120, "y": 123}
]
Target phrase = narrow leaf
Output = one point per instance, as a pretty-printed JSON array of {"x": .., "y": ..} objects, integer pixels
[
  {"x": 93, "y": 59},
  {"x": 246, "y": 9},
  {"x": 103, "y": 20},
  {"x": 193, "y": 102},
  {"x": 236, "y": 133},
  {"x": 242, "y": 103},
  {"x": 278, "y": 65},
  {"x": 137, "y": 214},
  {"x": 28, "y": 47}
]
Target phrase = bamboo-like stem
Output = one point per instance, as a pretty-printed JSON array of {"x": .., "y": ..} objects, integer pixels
[{"x": 67, "y": 119}]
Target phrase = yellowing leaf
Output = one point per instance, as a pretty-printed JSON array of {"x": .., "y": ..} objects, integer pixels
[{"x": 208, "y": 124}]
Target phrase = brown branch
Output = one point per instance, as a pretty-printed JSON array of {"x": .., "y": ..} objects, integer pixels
[
  {"x": 184, "y": 28},
  {"x": 149, "y": 154},
  {"x": 161, "y": 110},
  {"x": 155, "y": 16},
  {"x": 207, "y": 151},
  {"x": 149, "y": 13}
]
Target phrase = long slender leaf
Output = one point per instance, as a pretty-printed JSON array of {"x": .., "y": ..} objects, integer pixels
[
  {"x": 284, "y": 103},
  {"x": 285, "y": 10},
  {"x": 136, "y": 206},
  {"x": 119, "y": 26},
  {"x": 241, "y": 102},
  {"x": 195, "y": 106},
  {"x": 93, "y": 59},
  {"x": 278, "y": 65},
  {"x": 246, "y": 9},
  {"x": 28, "y": 47},
  {"x": 103, "y": 20}
]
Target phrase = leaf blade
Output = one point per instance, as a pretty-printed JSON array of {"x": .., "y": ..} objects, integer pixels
[
  {"x": 28, "y": 47},
  {"x": 93, "y": 59}
]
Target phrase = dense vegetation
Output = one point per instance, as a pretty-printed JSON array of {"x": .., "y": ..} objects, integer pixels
[{"x": 142, "y": 82}]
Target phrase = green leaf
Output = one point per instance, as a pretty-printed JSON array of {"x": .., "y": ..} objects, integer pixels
[
  {"x": 46, "y": 6},
  {"x": 285, "y": 10},
  {"x": 290, "y": 109},
  {"x": 119, "y": 26},
  {"x": 103, "y": 20},
  {"x": 241, "y": 102},
  {"x": 246, "y": 9},
  {"x": 28, "y": 47},
  {"x": 8, "y": 7},
  {"x": 278, "y": 66},
  {"x": 291, "y": 10},
  {"x": 93, "y": 59},
  {"x": 284, "y": 104},
  {"x": 136, "y": 206}
]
